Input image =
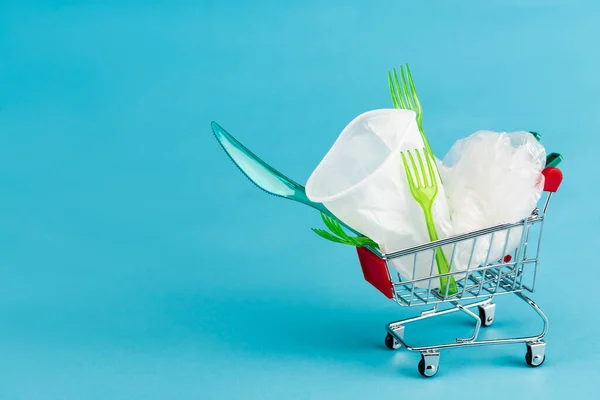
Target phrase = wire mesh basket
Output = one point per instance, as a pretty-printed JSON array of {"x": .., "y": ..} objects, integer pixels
[{"x": 477, "y": 282}]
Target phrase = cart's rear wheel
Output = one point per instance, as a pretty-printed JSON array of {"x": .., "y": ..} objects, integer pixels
[
  {"x": 487, "y": 314},
  {"x": 391, "y": 343},
  {"x": 534, "y": 360}
]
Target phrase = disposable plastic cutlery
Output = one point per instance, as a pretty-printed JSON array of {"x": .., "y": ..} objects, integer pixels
[{"x": 424, "y": 188}]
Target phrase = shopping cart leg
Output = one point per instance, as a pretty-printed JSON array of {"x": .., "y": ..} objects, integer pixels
[
  {"x": 536, "y": 347},
  {"x": 540, "y": 313},
  {"x": 477, "y": 323}
]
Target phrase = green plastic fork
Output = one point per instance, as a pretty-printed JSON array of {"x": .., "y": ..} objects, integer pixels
[
  {"x": 404, "y": 96},
  {"x": 424, "y": 188}
]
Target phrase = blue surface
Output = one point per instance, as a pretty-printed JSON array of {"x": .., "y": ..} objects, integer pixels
[{"x": 136, "y": 262}]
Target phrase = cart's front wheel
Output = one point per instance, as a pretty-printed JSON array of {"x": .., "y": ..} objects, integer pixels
[
  {"x": 533, "y": 362},
  {"x": 429, "y": 364},
  {"x": 391, "y": 343}
]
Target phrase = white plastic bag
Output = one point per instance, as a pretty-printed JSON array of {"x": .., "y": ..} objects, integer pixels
[
  {"x": 492, "y": 178},
  {"x": 363, "y": 182}
]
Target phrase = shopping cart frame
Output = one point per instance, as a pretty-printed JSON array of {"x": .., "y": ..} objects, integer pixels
[{"x": 514, "y": 273}]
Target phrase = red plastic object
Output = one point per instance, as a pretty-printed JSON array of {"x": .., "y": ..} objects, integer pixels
[
  {"x": 375, "y": 271},
  {"x": 507, "y": 258},
  {"x": 553, "y": 178}
]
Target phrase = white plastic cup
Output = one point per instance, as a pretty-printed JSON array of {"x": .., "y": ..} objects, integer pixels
[{"x": 363, "y": 182}]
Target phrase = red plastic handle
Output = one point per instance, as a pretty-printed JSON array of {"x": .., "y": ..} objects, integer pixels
[
  {"x": 375, "y": 271},
  {"x": 553, "y": 178}
]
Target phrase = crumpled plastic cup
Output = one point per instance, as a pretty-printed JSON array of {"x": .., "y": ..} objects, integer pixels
[{"x": 363, "y": 182}]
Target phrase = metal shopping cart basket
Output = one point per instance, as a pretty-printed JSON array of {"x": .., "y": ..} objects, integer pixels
[{"x": 515, "y": 272}]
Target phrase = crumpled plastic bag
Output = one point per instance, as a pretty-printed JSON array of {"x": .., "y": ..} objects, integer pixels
[
  {"x": 362, "y": 181},
  {"x": 491, "y": 178}
]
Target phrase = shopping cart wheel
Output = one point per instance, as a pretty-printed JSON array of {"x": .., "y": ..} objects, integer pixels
[
  {"x": 392, "y": 343},
  {"x": 428, "y": 366},
  {"x": 536, "y": 354},
  {"x": 487, "y": 314}
]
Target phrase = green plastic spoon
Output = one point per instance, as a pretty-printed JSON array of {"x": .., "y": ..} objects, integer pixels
[
  {"x": 263, "y": 175},
  {"x": 260, "y": 173}
]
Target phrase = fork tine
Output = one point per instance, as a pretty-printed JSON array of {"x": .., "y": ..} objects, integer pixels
[
  {"x": 419, "y": 174},
  {"x": 413, "y": 90},
  {"x": 409, "y": 176},
  {"x": 423, "y": 170},
  {"x": 405, "y": 87},
  {"x": 399, "y": 89},
  {"x": 393, "y": 91},
  {"x": 428, "y": 157}
]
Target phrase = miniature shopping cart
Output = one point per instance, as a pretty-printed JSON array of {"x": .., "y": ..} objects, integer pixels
[{"x": 476, "y": 286}]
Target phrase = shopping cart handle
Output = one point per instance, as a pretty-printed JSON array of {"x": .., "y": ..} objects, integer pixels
[{"x": 553, "y": 178}]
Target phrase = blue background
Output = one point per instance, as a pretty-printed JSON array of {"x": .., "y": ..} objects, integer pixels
[{"x": 136, "y": 262}]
